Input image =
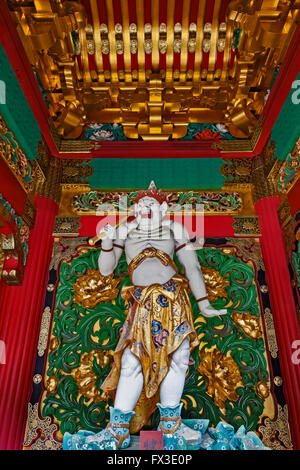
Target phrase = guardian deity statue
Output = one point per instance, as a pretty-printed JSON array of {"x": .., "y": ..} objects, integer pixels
[{"x": 154, "y": 350}]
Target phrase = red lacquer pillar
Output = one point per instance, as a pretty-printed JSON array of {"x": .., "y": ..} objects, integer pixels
[
  {"x": 20, "y": 315},
  {"x": 283, "y": 307}
]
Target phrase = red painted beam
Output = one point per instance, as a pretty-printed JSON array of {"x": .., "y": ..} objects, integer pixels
[{"x": 214, "y": 226}]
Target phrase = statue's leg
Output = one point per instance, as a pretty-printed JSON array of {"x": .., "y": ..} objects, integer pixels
[
  {"x": 172, "y": 386},
  {"x": 116, "y": 434},
  {"x": 130, "y": 382},
  {"x": 176, "y": 434}
]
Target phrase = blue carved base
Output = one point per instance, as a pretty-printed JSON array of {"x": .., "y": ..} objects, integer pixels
[{"x": 221, "y": 437}]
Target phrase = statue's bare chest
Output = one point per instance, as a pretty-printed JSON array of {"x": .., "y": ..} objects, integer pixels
[{"x": 138, "y": 240}]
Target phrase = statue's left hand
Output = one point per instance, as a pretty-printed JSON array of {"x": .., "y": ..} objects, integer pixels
[
  {"x": 207, "y": 310},
  {"x": 212, "y": 312}
]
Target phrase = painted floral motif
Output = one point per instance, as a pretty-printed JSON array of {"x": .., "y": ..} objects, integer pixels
[
  {"x": 223, "y": 201},
  {"x": 162, "y": 301},
  {"x": 170, "y": 285},
  {"x": 207, "y": 132},
  {"x": 159, "y": 335},
  {"x": 182, "y": 328},
  {"x": 136, "y": 292},
  {"x": 21, "y": 227},
  {"x": 114, "y": 132},
  {"x": 290, "y": 170},
  {"x": 15, "y": 157},
  {"x": 104, "y": 132}
]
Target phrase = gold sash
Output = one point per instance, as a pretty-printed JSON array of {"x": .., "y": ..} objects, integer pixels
[
  {"x": 159, "y": 318},
  {"x": 163, "y": 257}
]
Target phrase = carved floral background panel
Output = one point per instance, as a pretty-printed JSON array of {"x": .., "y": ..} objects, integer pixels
[
  {"x": 229, "y": 380},
  {"x": 212, "y": 201}
]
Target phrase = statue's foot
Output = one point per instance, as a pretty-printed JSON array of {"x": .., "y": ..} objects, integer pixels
[
  {"x": 177, "y": 436},
  {"x": 114, "y": 436}
]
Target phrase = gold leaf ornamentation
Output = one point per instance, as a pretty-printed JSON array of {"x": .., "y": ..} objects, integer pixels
[
  {"x": 262, "y": 389},
  {"x": 215, "y": 284},
  {"x": 272, "y": 342},
  {"x": 86, "y": 378},
  {"x": 44, "y": 428},
  {"x": 248, "y": 323},
  {"x": 44, "y": 330},
  {"x": 276, "y": 433},
  {"x": 278, "y": 381},
  {"x": 222, "y": 374},
  {"x": 52, "y": 384},
  {"x": 37, "y": 378},
  {"x": 92, "y": 288}
]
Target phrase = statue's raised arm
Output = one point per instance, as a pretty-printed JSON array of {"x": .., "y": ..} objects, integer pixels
[{"x": 111, "y": 248}]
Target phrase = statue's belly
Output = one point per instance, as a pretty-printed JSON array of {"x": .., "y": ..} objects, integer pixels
[{"x": 152, "y": 271}]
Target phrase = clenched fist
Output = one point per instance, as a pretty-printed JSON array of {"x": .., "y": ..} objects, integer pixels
[{"x": 109, "y": 232}]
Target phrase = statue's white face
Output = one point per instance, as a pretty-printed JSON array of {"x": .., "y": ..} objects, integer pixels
[{"x": 149, "y": 213}]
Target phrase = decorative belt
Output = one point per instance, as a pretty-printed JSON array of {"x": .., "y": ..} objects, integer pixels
[{"x": 163, "y": 257}]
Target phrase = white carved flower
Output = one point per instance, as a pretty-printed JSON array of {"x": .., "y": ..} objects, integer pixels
[
  {"x": 267, "y": 95},
  {"x": 102, "y": 135},
  {"x": 222, "y": 128},
  {"x": 95, "y": 126}
]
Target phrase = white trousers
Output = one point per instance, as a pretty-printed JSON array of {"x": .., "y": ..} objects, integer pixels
[{"x": 131, "y": 379}]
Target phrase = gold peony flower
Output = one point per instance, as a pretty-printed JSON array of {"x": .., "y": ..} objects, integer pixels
[
  {"x": 222, "y": 374},
  {"x": 86, "y": 378},
  {"x": 215, "y": 284},
  {"x": 92, "y": 288}
]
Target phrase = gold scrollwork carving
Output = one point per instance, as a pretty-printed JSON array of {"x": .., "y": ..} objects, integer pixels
[
  {"x": 43, "y": 338},
  {"x": 276, "y": 433},
  {"x": 272, "y": 342},
  {"x": 248, "y": 249},
  {"x": 237, "y": 170},
  {"x": 75, "y": 171},
  {"x": 65, "y": 249},
  {"x": 66, "y": 226},
  {"x": 40, "y": 429},
  {"x": 246, "y": 226}
]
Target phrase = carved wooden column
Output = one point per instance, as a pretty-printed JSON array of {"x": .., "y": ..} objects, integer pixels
[
  {"x": 280, "y": 290},
  {"x": 20, "y": 316}
]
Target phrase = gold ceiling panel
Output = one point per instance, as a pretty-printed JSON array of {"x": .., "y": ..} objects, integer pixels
[{"x": 93, "y": 62}]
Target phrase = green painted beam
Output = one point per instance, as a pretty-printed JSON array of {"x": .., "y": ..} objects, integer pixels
[
  {"x": 167, "y": 173},
  {"x": 16, "y": 110}
]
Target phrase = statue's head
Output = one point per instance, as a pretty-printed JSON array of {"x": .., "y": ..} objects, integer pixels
[{"x": 150, "y": 207}]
